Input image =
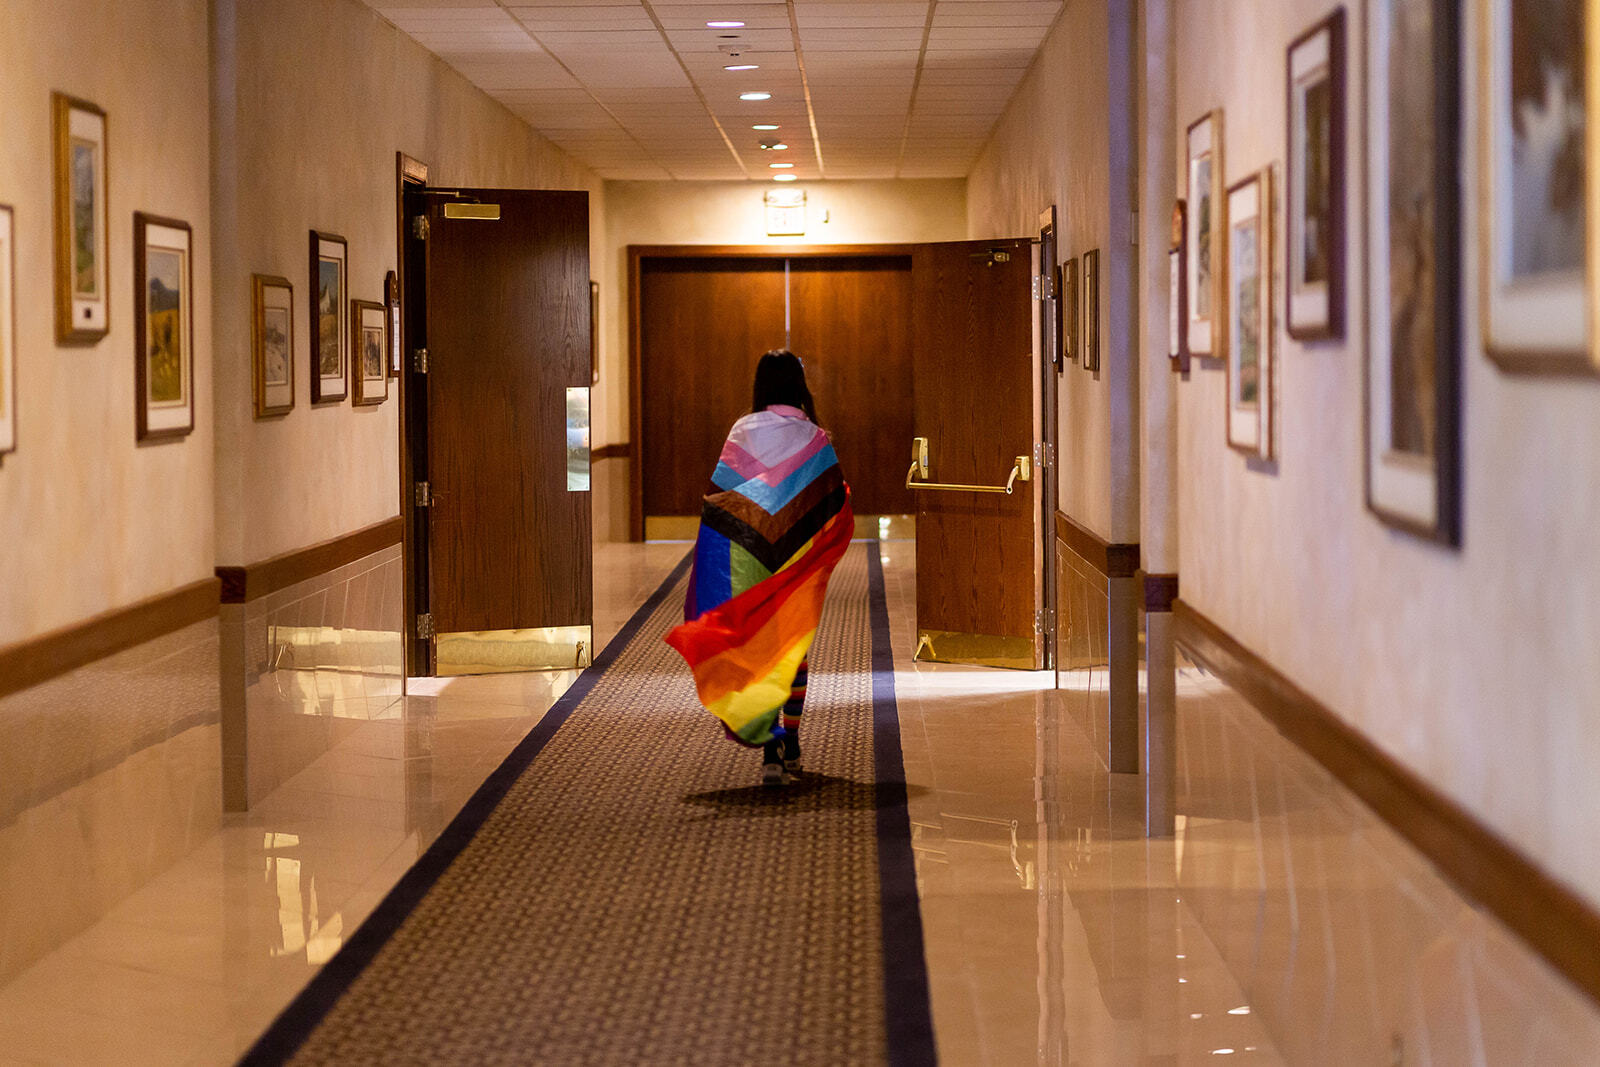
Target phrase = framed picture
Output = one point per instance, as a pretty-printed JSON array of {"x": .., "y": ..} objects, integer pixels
[
  {"x": 391, "y": 300},
  {"x": 1177, "y": 295},
  {"x": 1070, "y": 337},
  {"x": 330, "y": 332},
  {"x": 1412, "y": 367},
  {"x": 1091, "y": 311},
  {"x": 272, "y": 344},
  {"x": 1205, "y": 235},
  {"x": 1315, "y": 275},
  {"x": 594, "y": 333},
  {"x": 369, "y": 345},
  {"x": 1057, "y": 282},
  {"x": 83, "y": 278},
  {"x": 1250, "y": 348},
  {"x": 163, "y": 286},
  {"x": 1535, "y": 58},
  {"x": 8, "y": 331}
]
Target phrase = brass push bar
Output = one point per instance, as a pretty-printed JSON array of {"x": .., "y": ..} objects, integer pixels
[{"x": 1021, "y": 471}]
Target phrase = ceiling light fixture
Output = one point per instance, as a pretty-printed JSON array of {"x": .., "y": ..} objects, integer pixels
[
  {"x": 780, "y": 166},
  {"x": 780, "y": 146},
  {"x": 765, "y": 126},
  {"x": 743, "y": 66},
  {"x": 725, "y": 24},
  {"x": 755, "y": 96},
  {"x": 786, "y": 177}
]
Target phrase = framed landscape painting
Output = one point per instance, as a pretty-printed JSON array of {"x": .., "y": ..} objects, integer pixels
[
  {"x": 8, "y": 331},
  {"x": 1205, "y": 236},
  {"x": 163, "y": 326},
  {"x": 1091, "y": 310},
  {"x": 1412, "y": 364},
  {"x": 1315, "y": 231},
  {"x": 1250, "y": 348},
  {"x": 1177, "y": 295},
  {"x": 391, "y": 301},
  {"x": 1071, "y": 312},
  {"x": 82, "y": 272},
  {"x": 369, "y": 346},
  {"x": 1535, "y": 60},
  {"x": 330, "y": 333},
  {"x": 272, "y": 345}
]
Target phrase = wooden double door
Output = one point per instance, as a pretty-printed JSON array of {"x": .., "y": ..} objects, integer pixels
[{"x": 902, "y": 345}]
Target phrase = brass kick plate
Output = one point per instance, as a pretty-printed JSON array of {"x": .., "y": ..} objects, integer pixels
[
  {"x": 547, "y": 648},
  {"x": 983, "y": 650},
  {"x": 472, "y": 211}
]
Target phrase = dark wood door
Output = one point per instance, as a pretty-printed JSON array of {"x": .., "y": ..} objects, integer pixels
[
  {"x": 851, "y": 323},
  {"x": 976, "y": 552},
  {"x": 703, "y": 325},
  {"x": 508, "y": 325}
]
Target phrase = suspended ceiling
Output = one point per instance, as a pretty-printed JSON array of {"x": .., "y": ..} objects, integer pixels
[{"x": 637, "y": 89}]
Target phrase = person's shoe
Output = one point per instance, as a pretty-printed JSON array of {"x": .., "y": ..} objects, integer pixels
[
  {"x": 774, "y": 774},
  {"x": 792, "y": 765},
  {"x": 791, "y": 750}
]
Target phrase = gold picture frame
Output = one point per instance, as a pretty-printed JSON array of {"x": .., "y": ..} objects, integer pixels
[
  {"x": 163, "y": 312},
  {"x": 369, "y": 352},
  {"x": 79, "y": 132},
  {"x": 272, "y": 344}
]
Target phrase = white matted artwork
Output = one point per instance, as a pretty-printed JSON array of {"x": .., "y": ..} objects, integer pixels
[
  {"x": 83, "y": 279},
  {"x": 273, "y": 349},
  {"x": 8, "y": 332},
  {"x": 1532, "y": 75},
  {"x": 1250, "y": 332},
  {"x": 1205, "y": 236}
]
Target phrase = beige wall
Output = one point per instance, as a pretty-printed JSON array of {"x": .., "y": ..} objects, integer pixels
[
  {"x": 313, "y": 98},
  {"x": 1477, "y": 667},
  {"x": 89, "y": 519},
  {"x": 1052, "y": 147}
]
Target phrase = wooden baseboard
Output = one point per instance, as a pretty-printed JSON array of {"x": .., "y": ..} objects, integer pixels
[
  {"x": 39, "y": 659},
  {"x": 1111, "y": 560},
  {"x": 1553, "y": 920},
  {"x": 240, "y": 585}
]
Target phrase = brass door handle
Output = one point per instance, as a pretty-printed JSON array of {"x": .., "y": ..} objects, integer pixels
[{"x": 1021, "y": 471}]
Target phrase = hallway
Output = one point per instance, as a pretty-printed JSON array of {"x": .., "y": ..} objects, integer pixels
[{"x": 1283, "y": 922}]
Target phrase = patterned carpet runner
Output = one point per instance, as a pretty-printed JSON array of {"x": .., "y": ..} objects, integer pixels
[{"x": 632, "y": 896}]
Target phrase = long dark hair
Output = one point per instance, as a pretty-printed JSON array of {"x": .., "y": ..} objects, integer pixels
[{"x": 781, "y": 379}]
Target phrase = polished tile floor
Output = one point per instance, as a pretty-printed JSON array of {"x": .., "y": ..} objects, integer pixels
[{"x": 1281, "y": 924}]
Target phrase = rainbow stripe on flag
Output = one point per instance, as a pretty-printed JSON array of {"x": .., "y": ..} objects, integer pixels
[{"x": 774, "y": 525}]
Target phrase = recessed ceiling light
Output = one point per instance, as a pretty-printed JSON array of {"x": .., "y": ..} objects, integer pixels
[
  {"x": 780, "y": 166},
  {"x": 780, "y": 146},
  {"x": 786, "y": 177},
  {"x": 765, "y": 126},
  {"x": 743, "y": 66},
  {"x": 725, "y": 24},
  {"x": 755, "y": 96}
]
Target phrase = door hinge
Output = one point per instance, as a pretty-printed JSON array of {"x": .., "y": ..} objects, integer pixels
[
  {"x": 419, "y": 227},
  {"x": 1044, "y": 621},
  {"x": 1038, "y": 288},
  {"x": 1044, "y": 454},
  {"x": 419, "y": 360},
  {"x": 424, "y": 497},
  {"x": 425, "y": 627}
]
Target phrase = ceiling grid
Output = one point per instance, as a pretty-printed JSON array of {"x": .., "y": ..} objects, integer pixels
[{"x": 636, "y": 89}]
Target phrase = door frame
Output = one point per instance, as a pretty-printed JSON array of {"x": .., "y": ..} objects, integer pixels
[
  {"x": 637, "y": 254},
  {"x": 1047, "y": 357},
  {"x": 411, "y": 176}
]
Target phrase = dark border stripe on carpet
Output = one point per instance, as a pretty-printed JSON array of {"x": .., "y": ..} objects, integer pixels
[
  {"x": 907, "y": 1009},
  {"x": 306, "y": 1012}
]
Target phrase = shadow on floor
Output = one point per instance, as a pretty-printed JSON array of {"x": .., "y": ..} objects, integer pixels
[{"x": 808, "y": 790}]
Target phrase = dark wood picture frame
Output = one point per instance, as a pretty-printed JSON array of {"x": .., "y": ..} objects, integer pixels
[
  {"x": 328, "y": 388},
  {"x": 156, "y": 331},
  {"x": 1091, "y": 311},
  {"x": 80, "y": 319},
  {"x": 1417, "y": 491},
  {"x": 1058, "y": 281},
  {"x": 8, "y": 330},
  {"x": 368, "y": 315},
  {"x": 1249, "y": 426},
  {"x": 271, "y": 398},
  {"x": 1313, "y": 311},
  {"x": 1207, "y": 211},
  {"x": 391, "y": 301},
  {"x": 1177, "y": 294},
  {"x": 1071, "y": 338}
]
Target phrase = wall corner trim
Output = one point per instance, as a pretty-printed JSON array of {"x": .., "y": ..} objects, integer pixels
[
  {"x": 1111, "y": 560},
  {"x": 242, "y": 584},
  {"x": 1551, "y": 918},
  {"x": 39, "y": 659}
]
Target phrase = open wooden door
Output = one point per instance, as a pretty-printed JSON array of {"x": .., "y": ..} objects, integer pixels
[
  {"x": 973, "y": 454},
  {"x": 506, "y": 485}
]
